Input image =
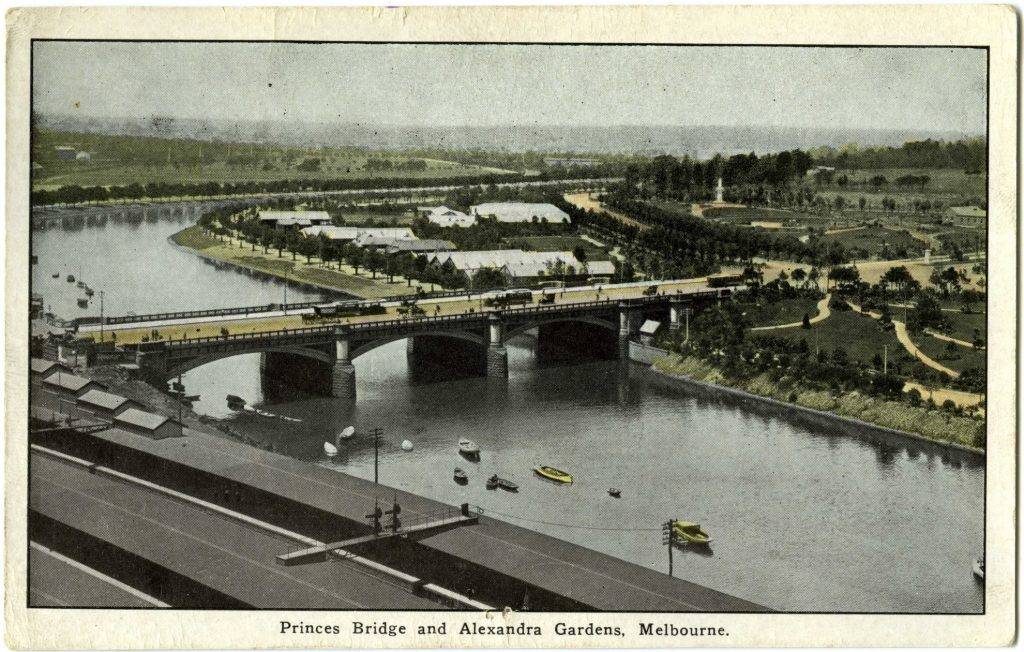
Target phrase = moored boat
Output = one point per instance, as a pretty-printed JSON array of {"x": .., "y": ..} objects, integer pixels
[
  {"x": 690, "y": 533},
  {"x": 615, "y": 493},
  {"x": 347, "y": 433},
  {"x": 460, "y": 476},
  {"x": 83, "y": 303},
  {"x": 407, "y": 445},
  {"x": 330, "y": 449},
  {"x": 81, "y": 284},
  {"x": 235, "y": 402},
  {"x": 71, "y": 278},
  {"x": 492, "y": 482},
  {"x": 978, "y": 567},
  {"x": 553, "y": 474},
  {"x": 89, "y": 291},
  {"x": 507, "y": 485},
  {"x": 469, "y": 448},
  {"x": 56, "y": 275}
]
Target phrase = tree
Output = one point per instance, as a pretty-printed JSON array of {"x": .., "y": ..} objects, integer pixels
[
  {"x": 799, "y": 276},
  {"x": 489, "y": 278},
  {"x": 806, "y": 322}
]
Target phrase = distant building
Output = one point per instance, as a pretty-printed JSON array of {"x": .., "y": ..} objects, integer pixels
[
  {"x": 517, "y": 212},
  {"x": 649, "y": 331},
  {"x": 66, "y": 152},
  {"x": 570, "y": 162},
  {"x": 105, "y": 405},
  {"x": 294, "y": 219},
  {"x": 447, "y": 217},
  {"x": 154, "y": 426},
  {"x": 967, "y": 216},
  {"x": 517, "y": 264},
  {"x": 360, "y": 234},
  {"x": 83, "y": 156}
]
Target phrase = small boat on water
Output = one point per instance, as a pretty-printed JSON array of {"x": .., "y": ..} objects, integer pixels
[
  {"x": 330, "y": 449},
  {"x": 56, "y": 275},
  {"x": 89, "y": 291},
  {"x": 460, "y": 476},
  {"x": 82, "y": 284},
  {"x": 71, "y": 278},
  {"x": 978, "y": 567},
  {"x": 407, "y": 445},
  {"x": 690, "y": 533},
  {"x": 469, "y": 448},
  {"x": 235, "y": 402},
  {"x": 492, "y": 482},
  {"x": 615, "y": 493},
  {"x": 347, "y": 433},
  {"x": 507, "y": 485},
  {"x": 83, "y": 303},
  {"x": 553, "y": 474}
]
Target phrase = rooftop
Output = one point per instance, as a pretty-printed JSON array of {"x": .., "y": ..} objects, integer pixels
[
  {"x": 299, "y": 215},
  {"x": 968, "y": 211},
  {"x": 41, "y": 366},
  {"x": 68, "y": 381},
  {"x": 103, "y": 399},
  {"x": 140, "y": 419},
  {"x": 520, "y": 212}
]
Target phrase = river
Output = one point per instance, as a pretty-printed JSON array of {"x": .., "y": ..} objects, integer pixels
[{"x": 804, "y": 518}]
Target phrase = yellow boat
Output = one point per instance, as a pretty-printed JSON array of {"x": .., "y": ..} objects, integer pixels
[
  {"x": 551, "y": 473},
  {"x": 690, "y": 533}
]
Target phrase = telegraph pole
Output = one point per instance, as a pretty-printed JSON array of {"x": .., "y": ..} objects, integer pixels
[
  {"x": 668, "y": 538},
  {"x": 885, "y": 359},
  {"x": 101, "y": 316}
]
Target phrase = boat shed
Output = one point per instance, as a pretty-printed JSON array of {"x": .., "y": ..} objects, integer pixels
[
  {"x": 105, "y": 405},
  {"x": 154, "y": 426},
  {"x": 70, "y": 385},
  {"x": 40, "y": 368},
  {"x": 648, "y": 332}
]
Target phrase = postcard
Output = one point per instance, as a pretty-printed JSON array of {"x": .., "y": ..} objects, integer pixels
[{"x": 561, "y": 327}]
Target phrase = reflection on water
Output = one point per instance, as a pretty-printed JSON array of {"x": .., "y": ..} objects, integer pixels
[{"x": 807, "y": 514}]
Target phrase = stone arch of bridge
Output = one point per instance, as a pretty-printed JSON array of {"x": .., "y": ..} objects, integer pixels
[
  {"x": 460, "y": 335},
  {"x": 596, "y": 321},
  {"x": 174, "y": 370}
]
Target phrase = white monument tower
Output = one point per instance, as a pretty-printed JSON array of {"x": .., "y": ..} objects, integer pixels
[{"x": 718, "y": 192}]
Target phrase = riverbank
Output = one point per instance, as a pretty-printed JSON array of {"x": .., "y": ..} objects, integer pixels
[
  {"x": 312, "y": 274},
  {"x": 962, "y": 433}
]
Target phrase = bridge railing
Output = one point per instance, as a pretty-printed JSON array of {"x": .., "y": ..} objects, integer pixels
[
  {"x": 212, "y": 312},
  {"x": 413, "y": 323}
]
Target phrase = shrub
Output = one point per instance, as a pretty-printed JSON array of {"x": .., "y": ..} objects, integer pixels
[{"x": 914, "y": 396}]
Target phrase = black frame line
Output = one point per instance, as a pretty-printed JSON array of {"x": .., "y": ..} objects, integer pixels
[{"x": 854, "y": 46}]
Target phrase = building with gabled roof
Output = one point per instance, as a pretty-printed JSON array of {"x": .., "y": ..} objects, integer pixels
[
  {"x": 154, "y": 426},
  {"x": 104, "y": 404},
  {"x": 518, "y": 212},
  {"x": 967, "y": 216},
  {"x": 69, "y": 384},
  {"x": 447, "y": 217},
  {"x": 294, "y": 219}
]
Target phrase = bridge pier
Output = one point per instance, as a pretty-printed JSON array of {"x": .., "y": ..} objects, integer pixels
[
  {"x": 675, "y": 312},
  {"x": 627, "y": 325},
  {"x": 497, "y": 354},
  {"x": 343, "y": 375}
]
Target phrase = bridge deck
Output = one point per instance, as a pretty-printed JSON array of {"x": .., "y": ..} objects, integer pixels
[
  {"x": 600, "y": 581},
  {"x": 179, "y": 329},
  {"x": 54, "y": 581}
]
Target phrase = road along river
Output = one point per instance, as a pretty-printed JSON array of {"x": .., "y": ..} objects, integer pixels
[{"x": 804, "y": 517}]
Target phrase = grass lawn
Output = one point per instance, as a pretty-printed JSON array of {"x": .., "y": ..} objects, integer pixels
[
  {"x": 874, "y": 240},
  {"x": 298, "y": 270},
  {"x": 786, "y": 311},
  {"x": 740, "y": 214},
  {"x": 957, "y": 359},
  {"x": 962, "y": 325},
  {"x": 558, "y": 243},
  {"x": 859, "y": 335}
]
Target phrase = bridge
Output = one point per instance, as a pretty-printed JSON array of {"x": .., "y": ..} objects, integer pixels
[{"x": 451, "y": 327}]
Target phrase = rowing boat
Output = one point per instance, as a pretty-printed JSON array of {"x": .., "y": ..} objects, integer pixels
[{"x": 553, "y": 474}]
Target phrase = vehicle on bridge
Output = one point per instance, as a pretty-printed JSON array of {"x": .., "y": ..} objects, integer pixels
[
  {"x": 506, "y": 298},
  {"x": 409, "y": 308},
  {"x": 725, "y": 280},
  {"x": 651, "y": 291},
  {"x": 345, "y": 309}
]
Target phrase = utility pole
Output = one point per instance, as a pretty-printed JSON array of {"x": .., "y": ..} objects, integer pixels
[
  {"x": 180, "y": 389},
  {"x": 885, "y": 360},
  {"x": 668, "y": 538}
]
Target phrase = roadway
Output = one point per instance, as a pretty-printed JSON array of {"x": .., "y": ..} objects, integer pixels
[
  {"x": 58, "y": 581},
  {"x": 211, "y": 326}
]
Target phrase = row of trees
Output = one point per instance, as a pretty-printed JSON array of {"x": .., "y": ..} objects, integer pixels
[{"x": 968, "y": 155}]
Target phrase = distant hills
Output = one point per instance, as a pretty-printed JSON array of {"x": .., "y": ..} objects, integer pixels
[{"x": 696, "y": 141}]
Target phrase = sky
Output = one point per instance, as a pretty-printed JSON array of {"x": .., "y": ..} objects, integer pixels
[{"x": 940, "y": 89}]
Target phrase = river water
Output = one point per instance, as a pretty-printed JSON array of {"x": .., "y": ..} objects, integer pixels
[{"x": 804, "y": 517}]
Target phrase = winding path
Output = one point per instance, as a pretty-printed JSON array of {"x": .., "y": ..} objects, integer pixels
[
  {"x": 823, "y": 313},
  {"x": 904, "y": 337}
]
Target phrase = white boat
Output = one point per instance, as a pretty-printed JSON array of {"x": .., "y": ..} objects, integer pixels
[
  {"x": 347, "y": 433},
  {"x": 979, "y": 568},
  {"x": 330, "y": 449},
  {"x": 469, "y": 448},
  {"x": 407, "y": 445}
]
